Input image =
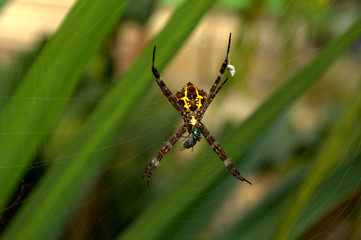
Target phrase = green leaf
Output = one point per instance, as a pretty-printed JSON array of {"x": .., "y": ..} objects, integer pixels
[
  {"x": 30, "y": 113},
  {"x": 262, "y": 221},
  {"x": 340, "y": 143},
  {"x": 11, "y": 76},
  {"x": 341, "y": 183},
  {"x": 74, "y": 171},
  {"x": 2, "y": 3},
  {"x": 160, "y": 215}
]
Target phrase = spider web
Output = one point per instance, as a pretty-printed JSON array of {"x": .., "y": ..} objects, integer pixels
[{"x": 265, "y": 54}]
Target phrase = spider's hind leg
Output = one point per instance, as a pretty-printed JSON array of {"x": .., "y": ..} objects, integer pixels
[
  {"x": 160, "y": 154},
  {"x": 222, "y": 155}
]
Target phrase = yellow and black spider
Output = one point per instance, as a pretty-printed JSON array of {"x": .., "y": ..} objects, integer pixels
[{"x": 191, "y": 103}]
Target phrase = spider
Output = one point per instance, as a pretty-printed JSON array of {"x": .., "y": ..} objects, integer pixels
[{"x": 191, "y": 103}]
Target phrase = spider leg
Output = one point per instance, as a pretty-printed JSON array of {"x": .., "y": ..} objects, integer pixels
[
  {"x": 215, "y": 89},
  {"x": 169, "y": 95},
  {"x": 222, "y": 155},
  {"x": 210, "y": 99},
  {"x": 160, "y": 154},
  {"x": 218, "y": 89}
]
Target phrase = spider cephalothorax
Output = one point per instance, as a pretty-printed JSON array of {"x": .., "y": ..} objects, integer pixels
[{"x": 191, "y": 103}]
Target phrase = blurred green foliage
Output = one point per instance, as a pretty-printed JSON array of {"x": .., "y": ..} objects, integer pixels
[{"x": 75, "y": 141}]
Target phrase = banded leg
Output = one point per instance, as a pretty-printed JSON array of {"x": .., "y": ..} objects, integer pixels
[
  {"x": 213, "y": 92},
  {"x": 169, "y": 95},
  {"x": 218, "y": 89},
  {"x": 160, "y": 154},
  {"x": 222, "y": 155},
  {"x": 210, "y": 98}
]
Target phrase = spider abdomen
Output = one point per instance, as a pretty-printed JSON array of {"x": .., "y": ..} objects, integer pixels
[{"x": 191, "y": 98}]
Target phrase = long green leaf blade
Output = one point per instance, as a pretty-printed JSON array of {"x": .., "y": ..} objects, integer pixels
[
  {"x": 30, "y": 113},
  {"x": 337, "y": 145},
  {"x": 262, "y": 221}
]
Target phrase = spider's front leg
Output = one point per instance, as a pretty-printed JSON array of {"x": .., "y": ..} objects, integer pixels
[
  {"x": 215, "y": 88},
  {"x": 160, "y": 154},
  {"x": 167, "y": 93},
  {"x": 222, "y": 155}
]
